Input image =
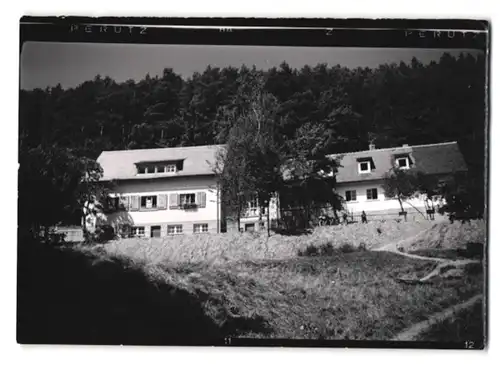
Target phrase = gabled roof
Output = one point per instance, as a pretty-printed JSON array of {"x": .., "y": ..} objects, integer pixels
[
  {"x": 442, "y": 158},
  {"x": 121, "y": 164}
]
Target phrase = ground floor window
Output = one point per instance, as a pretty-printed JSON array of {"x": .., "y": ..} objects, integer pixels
[
  {"x": 137, "y": 231},
  {"x": 200, "y": 228},
  {"x": 249, "y": 227},
  {"x": 350, "y": 195},
  {"x": 174, "y": 229},
  {"x": 155, "y": 231},
  {"x": 372, "y": 194}
]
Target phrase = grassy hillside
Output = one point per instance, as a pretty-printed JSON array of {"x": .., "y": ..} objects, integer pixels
[{"x": 199, "y": 289}]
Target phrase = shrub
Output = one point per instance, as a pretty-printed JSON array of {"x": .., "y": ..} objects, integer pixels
[
  {"x": 347, "y": 248},
  {"x": 328, "y": 249}
]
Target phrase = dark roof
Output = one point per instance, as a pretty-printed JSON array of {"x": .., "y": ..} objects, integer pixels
[
  {"x": 121, "y": 164},
  {"x": 441, "y": 158}
]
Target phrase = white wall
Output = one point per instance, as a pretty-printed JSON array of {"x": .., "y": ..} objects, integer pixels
[
  {"x": 166, "y": 186},
  {"x": 380, "y": 204}
]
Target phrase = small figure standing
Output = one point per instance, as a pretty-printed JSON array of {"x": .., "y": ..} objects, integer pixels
[
  {"x": 363, "y": 217},
  {"x": 344, "y": 216}
]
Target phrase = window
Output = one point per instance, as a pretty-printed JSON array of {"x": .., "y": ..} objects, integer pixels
[
  {"x": 364, "y": 167},
  {"x": 403, "y": 163},
  {"x": 253, "y": 206},
  {"x": 253, "y": 202},
  {"x": 249, "y": 227},
  {"x": 155, "y": 231},
  {"x": 145, "y": 169},
  {"x": 371, "y": 194},
  {"x": 153, "y": 168},
  {"x": 113, "y": 203},
  {"x": 174, "y": 229},
  {"x": 148, "y": 201},
  {"x": 350, "y": 196},
  {"x": 171, "y": 168},
  {"x": 137, "y": 231},
  {"x": 187, "y": 199},
  {"x": 200, "y": 228}
]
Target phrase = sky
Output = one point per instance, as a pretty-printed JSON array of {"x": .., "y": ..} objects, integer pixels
[{"x": 47, "y": 64}]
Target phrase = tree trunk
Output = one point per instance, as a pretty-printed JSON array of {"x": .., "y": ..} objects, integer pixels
[
  {"x": 239, "y": 216},
  {"x": 268, "y": 228},
  {"x": 401, "y": 204}
]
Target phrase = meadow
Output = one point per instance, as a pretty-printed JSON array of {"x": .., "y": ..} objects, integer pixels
[
  {"x": 215, "y": 249},
  {"x": 290, "y": 287}
]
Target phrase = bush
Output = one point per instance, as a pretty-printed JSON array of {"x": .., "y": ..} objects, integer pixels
[
  {"x": 328, "y": 249},
  {"x": 348, "y": 248}
]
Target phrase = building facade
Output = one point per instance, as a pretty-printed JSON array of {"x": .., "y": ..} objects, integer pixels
[
  {"x": 167, "y": 191},
  {"x": 160, "y": 192},
  {"x": 173, "y": 191},
  {"x": 360, "y": 175}
]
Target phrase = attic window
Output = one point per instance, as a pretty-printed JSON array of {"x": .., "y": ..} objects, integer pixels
[
  {"x": 171, "y": 168},
  {"x": 403, "y": 163},
  {"x": 159, "y": 168},
  {"x": 364, "y": 167}
]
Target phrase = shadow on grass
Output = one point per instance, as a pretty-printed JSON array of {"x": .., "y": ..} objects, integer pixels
[
  {"x": 293, "y": 232},
  {"x": 65, "y": 297},
  {"x": 471, "y": 251},
  {"x": 466, "y": 326}
]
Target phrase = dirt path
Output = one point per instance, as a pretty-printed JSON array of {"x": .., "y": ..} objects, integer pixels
[
  {"x": 412, "y": 333},
  {"x": 394, "y": 246}
]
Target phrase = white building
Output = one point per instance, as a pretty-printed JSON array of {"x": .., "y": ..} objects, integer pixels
[
  {"x": 167, "y": 191},
  {"x": 170, "y": 191},
  {"x": 360, "y": 174}
]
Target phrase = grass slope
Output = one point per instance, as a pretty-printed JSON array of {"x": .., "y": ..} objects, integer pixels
[
  {"x": 218, "y": 249},
  {"x": 199, "y": 289},
  {"x": 343, "y": 296}
]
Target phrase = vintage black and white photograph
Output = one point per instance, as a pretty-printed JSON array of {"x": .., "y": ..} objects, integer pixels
[{"x": 235, "y": 186}]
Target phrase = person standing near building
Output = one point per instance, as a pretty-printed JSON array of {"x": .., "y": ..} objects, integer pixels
[{"x": 363, "y": 217}]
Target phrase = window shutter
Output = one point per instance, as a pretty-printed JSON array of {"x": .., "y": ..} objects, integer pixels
[
  {"x": 135, "y": 203},
  {"x": 174, "y": 198},
  {"x": 201, "y": 199},
  {"x": 162, "y": 201},
  {"x": 353, "y": 195}
]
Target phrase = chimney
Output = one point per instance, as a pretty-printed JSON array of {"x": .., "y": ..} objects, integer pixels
[
  {"x": 371, "y": 146},
  {"x": 406, "y": 145}
]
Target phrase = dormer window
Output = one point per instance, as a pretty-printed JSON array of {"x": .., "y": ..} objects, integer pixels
[
  {"x": 171, "y": 168},
  {"x": 364, "y": 167},
  {"x": 403, "y": 163},
  {"x": 159, "y": 167}
]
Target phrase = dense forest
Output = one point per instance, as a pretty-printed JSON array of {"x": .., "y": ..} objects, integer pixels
[{"x": 63, "y": 131}]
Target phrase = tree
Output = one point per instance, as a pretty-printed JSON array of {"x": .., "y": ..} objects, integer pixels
[
  {"x": 53, "y": 185},
  {"x": 460, "y": 197},
  {"x": 402, "y": 185},
  {"x": 310, "y": 171},
  {"x": 251, "y": 162}
]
